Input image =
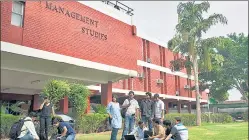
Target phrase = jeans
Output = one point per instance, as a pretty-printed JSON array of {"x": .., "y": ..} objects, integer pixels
[
  {"x": 45, "y": 122},
  {"x": 28, "y": 136},
  {"x": 128, "y": 125},
  {"x": 114, "y": 134},
  {"x": 70, "y": 137},
  {"x": 147, "y": 119}
]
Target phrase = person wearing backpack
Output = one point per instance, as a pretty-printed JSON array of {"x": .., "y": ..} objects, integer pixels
[
  {"x": 24, "y": 129},
  {"x": 131, "y": 114},
  {"x": 45, "y": 118},
  {"x": 113, "y": 110}
]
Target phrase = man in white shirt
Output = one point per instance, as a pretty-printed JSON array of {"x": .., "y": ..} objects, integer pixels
[
  {"x": 179, "y": 129},
  {"x": 131, "y": 115},
  {"x": 28, "y": 131},
  {"x": 139, "y": 131},
  {"x": 159, "y": 108}
]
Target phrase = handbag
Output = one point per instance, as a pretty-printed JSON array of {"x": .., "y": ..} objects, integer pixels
[{"x": 123, "y": 110}]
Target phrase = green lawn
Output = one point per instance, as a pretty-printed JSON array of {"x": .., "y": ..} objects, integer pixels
[{"x": 231, "y": 131}]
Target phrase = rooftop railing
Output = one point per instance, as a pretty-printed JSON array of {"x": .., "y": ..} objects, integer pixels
[{"x": 120, "y": 6}]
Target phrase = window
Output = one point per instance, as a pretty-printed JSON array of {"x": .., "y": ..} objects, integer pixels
[{"x": 17, "y": 13}]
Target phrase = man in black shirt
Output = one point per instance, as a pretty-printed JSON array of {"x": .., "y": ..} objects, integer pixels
[
  {"x": 170, "y": 130},
  {"x": 147, "y": 110}
]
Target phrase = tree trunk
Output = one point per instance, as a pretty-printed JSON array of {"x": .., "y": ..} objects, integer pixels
[
  {"x": 243, "y": 93},
  {"x": 198, "y": 106}
]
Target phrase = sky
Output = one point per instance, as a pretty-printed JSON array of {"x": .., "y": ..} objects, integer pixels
[{"x": 158, "y": 19}]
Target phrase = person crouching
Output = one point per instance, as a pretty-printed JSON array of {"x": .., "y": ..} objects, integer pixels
[{"x": 67, "y": 131}]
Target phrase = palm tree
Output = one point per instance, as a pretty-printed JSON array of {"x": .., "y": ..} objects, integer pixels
[{"x": 188, "y": 39}]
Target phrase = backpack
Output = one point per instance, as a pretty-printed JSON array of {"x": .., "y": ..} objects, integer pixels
[
  {"x": 15, "y": 129},
  {"x": 123, "y": 111}
]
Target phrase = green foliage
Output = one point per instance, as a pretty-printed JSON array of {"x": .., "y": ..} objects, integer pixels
[
  {"x": 7, "y": 120},
  {"x": 245, "y": 116},
  {"x": 177, "y": 65},
  {"x": 79, "y": 96},
  {"x": 90, "y": 123},
  {"x": 188, "y": 66},
  {"x": 77, "y": 93},
  {"x": 56, "y": 90},
  {"x": 188, "y": 38},
  {"x": 217, "y": 118},
  {"x": 101, "y": 109},
  {"x": 189, "y": 119},
  {"x": 3, "y": 109},
  {"x": 244, "y": 97},
  {"x": 230, "y": 67}
]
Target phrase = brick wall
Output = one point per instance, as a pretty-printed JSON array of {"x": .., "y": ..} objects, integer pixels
[
  {"x": 56, "y": 30},
  {"x": 9, "y": 33},
  {"x": 183, "y": 92},
  {"x": 52, "y": 31}
]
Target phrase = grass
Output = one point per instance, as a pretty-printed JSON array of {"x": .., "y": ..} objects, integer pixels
[{"x": 231, "y": 131}]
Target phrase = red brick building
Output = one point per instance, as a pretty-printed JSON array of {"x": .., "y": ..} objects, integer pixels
[{"x": 89, "y": 42}]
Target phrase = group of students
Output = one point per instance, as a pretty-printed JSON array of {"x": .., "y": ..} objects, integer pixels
[
  {"x": 27, "y": 128},
  {"x": 150, "y": 112}
]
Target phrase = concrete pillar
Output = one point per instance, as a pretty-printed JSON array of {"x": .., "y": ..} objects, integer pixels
[
  {"x": 189, "y": 107},
  {"x": 36, "y": 103},
  {"x": 64, "y": 105},
  {"x": 106, "y": 93},
  {"x": 166, "y": 103},
  {"x": 179, "y": 106}
]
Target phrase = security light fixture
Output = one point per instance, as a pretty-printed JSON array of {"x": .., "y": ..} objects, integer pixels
[{"x": 36, "y": 81}]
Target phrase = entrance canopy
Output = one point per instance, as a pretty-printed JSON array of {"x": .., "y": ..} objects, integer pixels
[{"x": 26, "y": 70}]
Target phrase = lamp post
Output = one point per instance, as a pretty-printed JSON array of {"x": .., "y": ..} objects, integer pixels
[{"x": 207, "y": 91}]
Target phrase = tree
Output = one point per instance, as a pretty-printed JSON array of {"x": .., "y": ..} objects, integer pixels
[
  {"x": 188, "y": 39},
  {"x": 233, "y": 72},
  {"x": 56, "y": 90},
  {"x": 243, "y": 97},
  {"x": 78, "y": 94}
]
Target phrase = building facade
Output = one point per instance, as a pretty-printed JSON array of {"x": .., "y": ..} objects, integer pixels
[{"x": 88, "y": 42}]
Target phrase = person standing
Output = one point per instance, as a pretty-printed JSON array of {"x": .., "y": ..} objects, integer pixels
[
  {"x": 159, "y": 108},
  {"x": 113, "y": 110},
  {"x": 147, "y": 110},
  {"x": 45, "y": 118},
  {"x": 131, "y": 114}
]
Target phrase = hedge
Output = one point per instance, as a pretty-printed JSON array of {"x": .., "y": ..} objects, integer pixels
[
  {"x": 217, "y": 118},
  {"x": 190, "y": 119},
  {"x": 7, "y": 120},
  {"x": 96, "y": 122},
  {"x": 99, "y": 109},
  {"x": 92, "y": 123}
]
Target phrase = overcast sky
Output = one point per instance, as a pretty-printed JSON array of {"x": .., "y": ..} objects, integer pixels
[{"x": 158, "y": 19}]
